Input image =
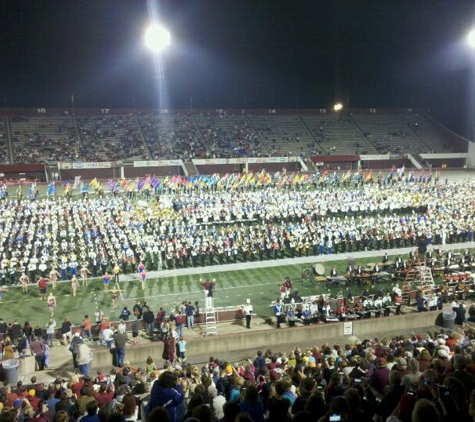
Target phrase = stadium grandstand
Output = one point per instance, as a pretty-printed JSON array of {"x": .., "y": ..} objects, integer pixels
[{"x": 316, "y": 139}]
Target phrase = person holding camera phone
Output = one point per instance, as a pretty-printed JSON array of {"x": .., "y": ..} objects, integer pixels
[
  {"x": 450, "y": 399},
  {"x": 105, "y": 394},
  {"x": 339, "y": 411}
]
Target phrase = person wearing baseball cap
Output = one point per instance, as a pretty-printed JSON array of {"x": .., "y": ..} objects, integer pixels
[{"x": 34, "y": 401}]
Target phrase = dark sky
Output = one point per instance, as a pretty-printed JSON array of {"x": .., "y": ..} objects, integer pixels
[{"x": 227, "y": 53}]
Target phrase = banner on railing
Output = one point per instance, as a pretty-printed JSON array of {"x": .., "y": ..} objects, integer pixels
[
  {"x": 80, "y": 166},
  {"x": 250, "y": 160},
  {"x": 158, "y": 163},
  {"x": 272, "y": 159},
  {"x": 447, "y": 156}
]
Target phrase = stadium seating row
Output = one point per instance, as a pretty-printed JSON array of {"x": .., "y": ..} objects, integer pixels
[{"x": 43, "y": 139}]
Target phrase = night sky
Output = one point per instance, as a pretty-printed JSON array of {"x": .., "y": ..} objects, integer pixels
[{"x": 237, "y": 53}]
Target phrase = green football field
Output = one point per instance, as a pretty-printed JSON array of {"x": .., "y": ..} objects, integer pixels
[
  {"x": 232, "y": 289},
  {"x": 261, "y": 285}
]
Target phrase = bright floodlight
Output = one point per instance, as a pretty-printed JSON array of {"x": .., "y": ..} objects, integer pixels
[
  {"x": 157, "y": 38},
  {"x": 338, "y": 107},
  {"x": 471, "y": 38}
]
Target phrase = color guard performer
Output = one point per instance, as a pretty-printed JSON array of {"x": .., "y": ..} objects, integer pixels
[
  {"x": 114, "y": 297},
  {"x": 24, "y": 280},
  {"x": 143, "y": 277},
  {"x": 74, "y": 285},
  {"x": 53, "y": 276},
  {"x": 84, "y": 274},
  {"x": 51, "y": 303}
]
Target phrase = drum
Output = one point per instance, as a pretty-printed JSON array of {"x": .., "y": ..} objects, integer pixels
[
  {"x": 319, "y": 269},
  {"x": 461, "y": 276},
  {"x": 468, "y": 275}
]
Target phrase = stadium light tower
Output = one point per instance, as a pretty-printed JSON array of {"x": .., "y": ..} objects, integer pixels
[{"x": 338, "y": 107}]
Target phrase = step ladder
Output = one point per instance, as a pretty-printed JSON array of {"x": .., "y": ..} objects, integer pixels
[
  {"x": 426, "y": 278},
  {"x": 418, "y": 273},
  {"x": 211, "y": 323},
  {"x": 407, "y": 286},
  {"x": 210, "y": 317}
]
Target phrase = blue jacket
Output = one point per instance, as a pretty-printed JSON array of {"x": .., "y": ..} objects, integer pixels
[{"x": 169, "y": 398}]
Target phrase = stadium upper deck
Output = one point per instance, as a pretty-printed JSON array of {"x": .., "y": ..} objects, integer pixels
[{"x": 106, "y": 135}]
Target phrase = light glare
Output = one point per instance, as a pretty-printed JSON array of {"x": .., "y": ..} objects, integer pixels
[
  {"x": 338, "y": 107},
  {"x": 157, "y": 38},
  {"x": 471, "y": 38}
]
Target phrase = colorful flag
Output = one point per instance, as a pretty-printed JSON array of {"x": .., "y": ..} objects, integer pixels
[
  {"x": 111, "y": 184},
  {"x": 51, "y": 189},
  {"x": 155, "y": 183},
  {"x": 93, "y": 183}
]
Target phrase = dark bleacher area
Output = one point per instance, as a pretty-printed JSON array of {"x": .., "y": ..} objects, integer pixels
[{"x": 62, "y": 137}]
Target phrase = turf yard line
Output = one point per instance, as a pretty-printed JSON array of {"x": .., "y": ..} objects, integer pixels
[{"x": 201, "y": 291}]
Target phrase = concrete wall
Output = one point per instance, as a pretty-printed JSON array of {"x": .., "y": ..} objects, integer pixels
[
  {"x": 220, "y": 344},
  {"x": 471, "y": 155}
]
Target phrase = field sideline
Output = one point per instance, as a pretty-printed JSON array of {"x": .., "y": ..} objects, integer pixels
[{"x": 232, "y": 289}]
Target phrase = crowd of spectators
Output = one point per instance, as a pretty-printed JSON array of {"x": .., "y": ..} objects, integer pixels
[
  {"x": 110, "y": 138},
  {"x": 4, "y": 157},
  {"x": 171, "y": 138},
  {"x": 395, "y": 143},
  {"x": 40, "y": 141},
  {"x": 421, "y": 377},
  {"x": 235, "y": 138}
]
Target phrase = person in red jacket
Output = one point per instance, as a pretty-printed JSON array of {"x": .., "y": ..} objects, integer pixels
[
  {"x": 34, "y": 401},
  {"x": 42, "y": 286},
  {"x": 105, "y": 394},
  {"x": 161, "y": 316},
  {"x": 209, "y": 286}
]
